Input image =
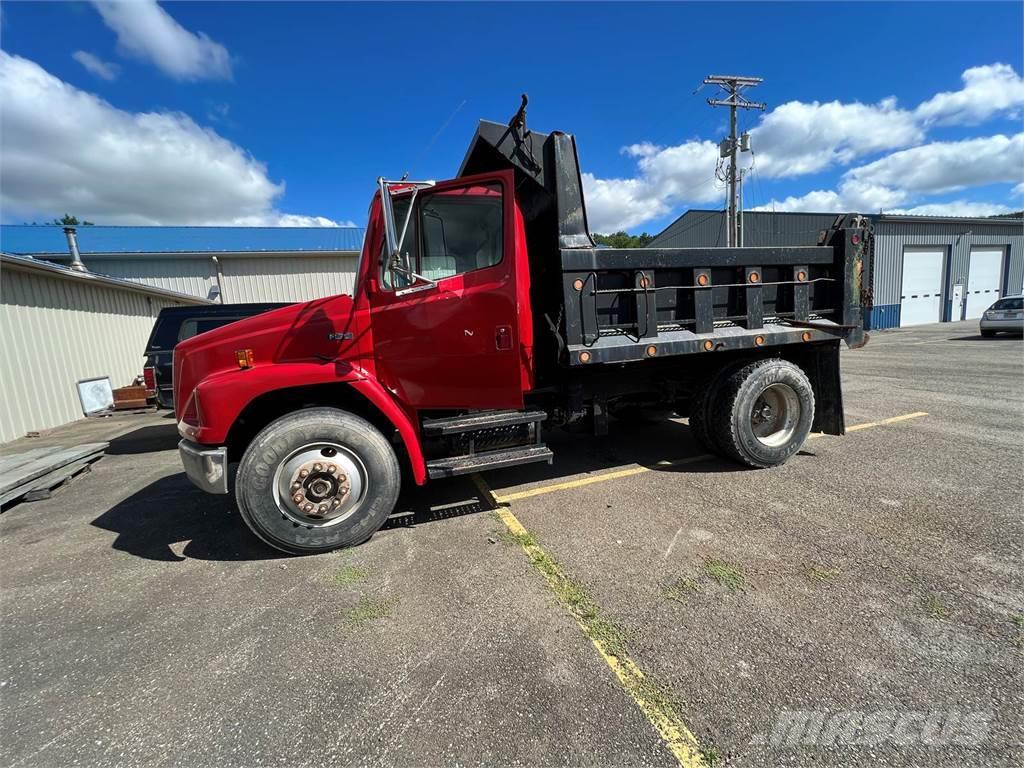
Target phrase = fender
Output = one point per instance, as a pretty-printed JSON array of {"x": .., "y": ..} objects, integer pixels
[{"x": 224, "y": 395}]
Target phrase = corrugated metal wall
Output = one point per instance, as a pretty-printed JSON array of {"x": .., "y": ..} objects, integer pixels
[
  {"x": 893, "y": 237},
  {"x": 284, "y": 277},
  {"x": 760, "y": 228},
  {"x": 57, "y": 331},
  {"x": 287, "y": 278}
]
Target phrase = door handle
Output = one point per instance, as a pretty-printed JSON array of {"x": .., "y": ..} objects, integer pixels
[{"x": 503, "y": 338}]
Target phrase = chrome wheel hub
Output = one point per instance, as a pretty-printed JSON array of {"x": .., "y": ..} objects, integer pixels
[
  {"x": 775, "y": 415},
  {"x": 320, "y": 484}
]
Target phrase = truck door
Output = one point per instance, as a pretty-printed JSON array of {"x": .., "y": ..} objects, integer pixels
[{"x": 453, "y": 344}]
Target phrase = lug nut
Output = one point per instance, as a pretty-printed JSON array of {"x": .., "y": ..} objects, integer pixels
[
  {"x": 318, "y": 467},
  {"x": 322, "y": 508},
  {"x": 297, "y": 498},
  {"x": 331, "y": 469},
  {"x": 307, "y": 507},
  {"x": 303, "y": 473},
  {"x": 336, "y": 503},
  {"x": 296, "y": 486}
]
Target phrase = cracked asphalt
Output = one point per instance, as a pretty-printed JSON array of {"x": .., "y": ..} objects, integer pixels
[{"x": 797, "y": 615}]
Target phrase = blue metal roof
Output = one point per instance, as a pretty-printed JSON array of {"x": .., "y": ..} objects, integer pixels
[{"x": 42, "y": 239}]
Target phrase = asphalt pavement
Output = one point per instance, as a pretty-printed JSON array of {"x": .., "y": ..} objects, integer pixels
[{"x": 861, "y": 604}]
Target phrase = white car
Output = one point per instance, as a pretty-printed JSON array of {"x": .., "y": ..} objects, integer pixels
[{"x": 1007, "y": 314}]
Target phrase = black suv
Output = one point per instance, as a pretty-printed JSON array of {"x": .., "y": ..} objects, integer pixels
[{"x": 175, "y": 324}]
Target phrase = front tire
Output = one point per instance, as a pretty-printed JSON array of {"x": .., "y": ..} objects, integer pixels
[
  {"x": 988, "y": 334},
  {"x": 316, "y": 480},
  {"x": 763, "y": 413}
]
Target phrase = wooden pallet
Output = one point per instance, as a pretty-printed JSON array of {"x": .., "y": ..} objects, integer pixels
[{"x": 35, "y": 474}]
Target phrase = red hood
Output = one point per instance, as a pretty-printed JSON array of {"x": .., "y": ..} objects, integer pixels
[{"x": 322, "y": 329}]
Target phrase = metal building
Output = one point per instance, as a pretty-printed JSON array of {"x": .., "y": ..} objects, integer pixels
[
  {"x": 227, "y": 264},
  {"x": 924, "y": 269},
  {"x": 59, "y": 326}
]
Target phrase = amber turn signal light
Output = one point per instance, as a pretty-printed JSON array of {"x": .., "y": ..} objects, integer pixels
[
  {"x": 584, "y": 357},
  {"x": 709, "y": 345},
  {"x": 244, "y": 358},
  {"x": 754, "y": 277},
  {"x": 759, "y": 340},
  {"x": 652, "y": 351},
  {"x": 702, "y": 279},
  {"x": 801, "y": 276},
  {"x": 806, "y": 336}
]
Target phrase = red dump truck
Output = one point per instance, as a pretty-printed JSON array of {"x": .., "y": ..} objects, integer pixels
[{"x": 483, "y": 310}]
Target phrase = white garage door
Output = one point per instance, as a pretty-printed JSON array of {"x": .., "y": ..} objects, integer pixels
[
  {"x": 921, "y": 295},
  {"x": 983, "y": 280}
]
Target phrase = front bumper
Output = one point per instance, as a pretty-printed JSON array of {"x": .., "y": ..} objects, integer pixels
[{"x": 207, "y": 468}]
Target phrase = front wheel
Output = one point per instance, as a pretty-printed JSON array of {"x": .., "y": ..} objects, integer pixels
[
  {"x": 763, "y": 413},
  {"x": 317, "y": 480}
]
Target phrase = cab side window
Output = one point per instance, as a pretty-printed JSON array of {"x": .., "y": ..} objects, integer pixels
[{"x": 461, "y": 230}]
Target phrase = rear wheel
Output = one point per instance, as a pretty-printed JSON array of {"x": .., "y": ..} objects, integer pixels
[
  {"x": 988, "y": 334},
  {"x": 317, "y": 480},
  {"x": 702, "y": 409},
  {"x": 763, "y": 413}
]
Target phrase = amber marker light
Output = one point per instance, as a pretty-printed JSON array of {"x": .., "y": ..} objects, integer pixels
[
  {"x": 702, "y": 279},
  {"x": 709, "y": 345},
  {"x": 584, "y": 357},
  {"x": 652, "y": 351},
  {"x": 759, "y": 340},
  {"x": 578, "y": 285},
  {"x": 801, "y": 276},
  {"x": 754, "y": 277},
  {"x": 806, "y": 336},
  {"x": 244, "y": 358}
]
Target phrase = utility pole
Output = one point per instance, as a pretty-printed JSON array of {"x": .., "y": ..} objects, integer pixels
[{"x": 733, "y": 86}]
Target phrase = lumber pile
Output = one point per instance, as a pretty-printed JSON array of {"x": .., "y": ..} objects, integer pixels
[{"x": 36, "y": 474}]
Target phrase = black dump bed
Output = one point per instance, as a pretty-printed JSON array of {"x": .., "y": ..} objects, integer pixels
[{"x": 617, "y": 305}]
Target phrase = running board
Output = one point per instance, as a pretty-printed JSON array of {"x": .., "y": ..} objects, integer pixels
[
  {"x": 477, "y": 462},
  {"x": 472, "y": 422}
]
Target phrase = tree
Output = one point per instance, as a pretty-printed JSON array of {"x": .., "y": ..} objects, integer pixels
[
  {"x": 622, "y": 239},
  {"x": 67, "y": 220}
]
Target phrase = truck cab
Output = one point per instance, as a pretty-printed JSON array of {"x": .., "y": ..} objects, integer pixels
[{"x": 482, "y": 312}]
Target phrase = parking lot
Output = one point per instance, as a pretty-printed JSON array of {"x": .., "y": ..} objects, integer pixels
[{"x": 637, "y": 603}]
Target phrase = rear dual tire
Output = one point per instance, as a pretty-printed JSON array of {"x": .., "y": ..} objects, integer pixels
[
  {"x": 758, "y": 414},
  {"x": 350, "y": 486}
]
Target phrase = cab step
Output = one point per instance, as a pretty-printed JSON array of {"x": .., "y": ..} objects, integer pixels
[
  {"x": 451, "y": 466},
  {"x": 480, "y": 420}
]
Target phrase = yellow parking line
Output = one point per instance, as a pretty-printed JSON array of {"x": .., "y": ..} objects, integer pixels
[
  {"x": 629, "y": 471},
  {"x": 649, "y": 697},
  {"x": 883, "y": 422}
]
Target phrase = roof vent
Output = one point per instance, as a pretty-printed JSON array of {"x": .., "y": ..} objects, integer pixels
[{"x": 76, "y": 259}]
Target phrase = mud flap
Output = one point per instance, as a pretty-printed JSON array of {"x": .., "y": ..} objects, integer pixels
[{"x": 828, "y": 391}]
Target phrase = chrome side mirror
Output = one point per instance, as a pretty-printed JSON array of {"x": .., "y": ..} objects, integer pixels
[{"x": 394, "y": 238}]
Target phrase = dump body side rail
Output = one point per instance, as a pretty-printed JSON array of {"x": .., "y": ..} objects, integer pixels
[{"x": 632, "y": 304}]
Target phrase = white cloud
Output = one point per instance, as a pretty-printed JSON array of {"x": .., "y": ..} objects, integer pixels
[
  {"x": 97, "y": 66},
  {"x": 956, "y": 208},
  {"x": 798, "y": 138},
  {"x": 669, "y": 175},
  {"x": 947, "y": 166},
  {"x": 147, "y": 31},
  {"x": 931, "y": 169},
  {"x": 67, "y": 150},
  {"x": 1019, "y": 189},
  {"x": 987, "y": 90}
]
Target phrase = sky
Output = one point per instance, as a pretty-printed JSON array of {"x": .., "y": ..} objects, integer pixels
[{"x": 270, "y": 114}]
